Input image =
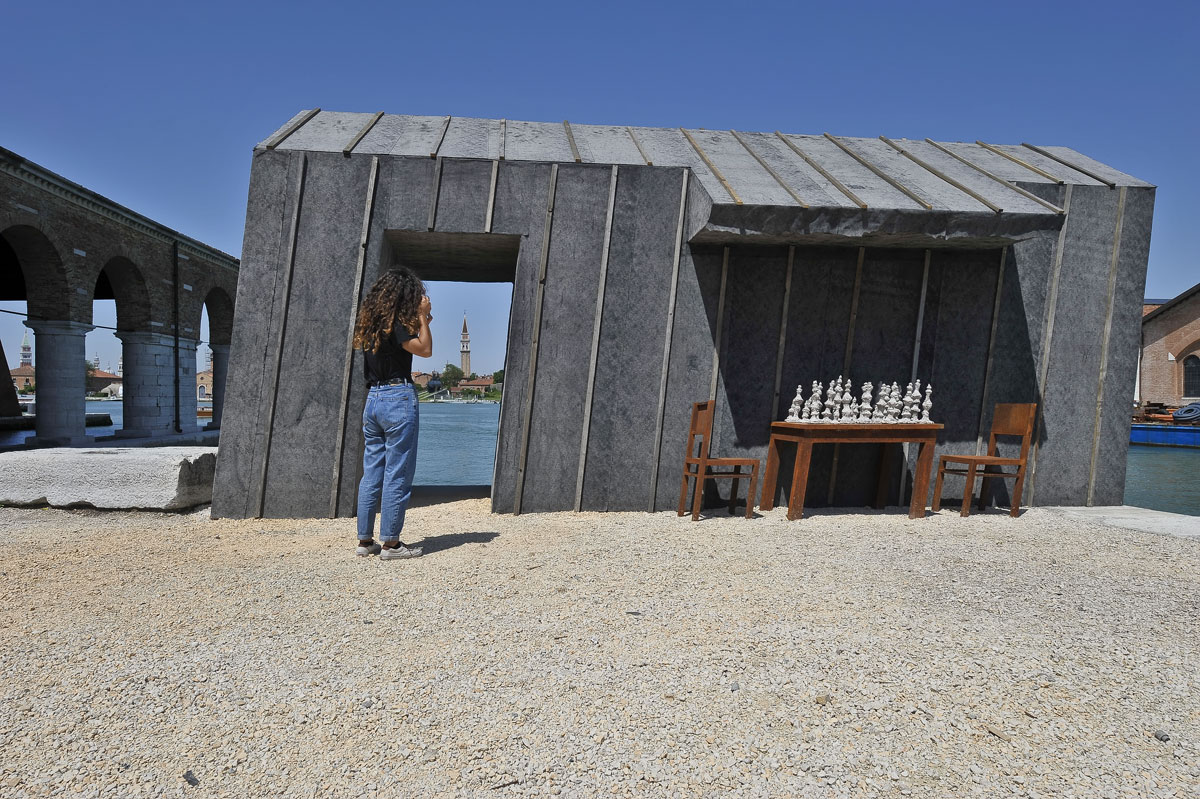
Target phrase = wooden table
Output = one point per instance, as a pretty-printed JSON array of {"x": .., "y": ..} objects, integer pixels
[{"x": 805, "y": 434}]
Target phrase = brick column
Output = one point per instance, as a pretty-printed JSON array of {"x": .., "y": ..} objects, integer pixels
[
  {"x": 61, "y": 377},
  {"x": 148, "y": 387},
  {"x": 220, "y": 367}
]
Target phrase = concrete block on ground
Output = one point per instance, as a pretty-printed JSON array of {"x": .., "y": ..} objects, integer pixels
[{"x": 159, "y": 478}]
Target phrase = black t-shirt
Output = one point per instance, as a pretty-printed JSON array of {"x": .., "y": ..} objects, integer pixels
[{"x": 391, "y": 361}]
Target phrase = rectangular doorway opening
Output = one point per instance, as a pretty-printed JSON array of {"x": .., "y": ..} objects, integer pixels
[{"x": 469, "y": 279}]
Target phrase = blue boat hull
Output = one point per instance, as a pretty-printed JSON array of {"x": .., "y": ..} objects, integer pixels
[{"x": 1165, "y": 435}]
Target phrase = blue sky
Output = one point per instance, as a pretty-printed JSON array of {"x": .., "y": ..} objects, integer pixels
[{"x": 157, "y": 105}]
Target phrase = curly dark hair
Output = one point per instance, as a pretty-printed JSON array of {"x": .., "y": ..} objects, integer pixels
[{"x": 395, "y": 297}]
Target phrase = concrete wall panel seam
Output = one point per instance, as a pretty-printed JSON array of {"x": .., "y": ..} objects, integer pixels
[
  {"x": 987, "y": 372},
  {"x": 858, "y": 273},
  {"x": 716, "y": 358},
  {"x": 787, "y": 293}
]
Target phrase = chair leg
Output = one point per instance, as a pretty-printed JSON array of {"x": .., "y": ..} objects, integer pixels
[
  {"x": 984, "y": 482},
  {"x": 751, "y": 491},
  {"x": 1016, "y": 495},
  {"x": 733, "y": 489},
  {"x": 698, "y": 492},
  {"x": 966, "y": 506},
  {"x": 937, "y": 487},
  {"x": 683, "y": 491}
]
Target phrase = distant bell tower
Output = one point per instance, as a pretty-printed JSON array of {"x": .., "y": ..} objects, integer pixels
[
  {"x": 27, "y": 351},
  {"x": 464, "y": 348}
]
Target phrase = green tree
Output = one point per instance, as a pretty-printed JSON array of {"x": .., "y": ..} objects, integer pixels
[
  {"x": 498, "y": 376},
  {"x": 451, "y": 376}
]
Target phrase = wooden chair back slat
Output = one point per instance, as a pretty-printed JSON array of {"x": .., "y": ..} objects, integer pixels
[
  {"x": 701, "y": 427},
  {"x": 1013, "y": 419}
]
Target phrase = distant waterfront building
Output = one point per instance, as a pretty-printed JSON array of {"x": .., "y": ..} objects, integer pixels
[
  {"x": 1169, "y": 372},
  {"x": 421, "y": 378},
  {"x": 464, "y": 347}
]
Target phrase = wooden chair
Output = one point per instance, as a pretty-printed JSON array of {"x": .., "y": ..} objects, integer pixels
[
  {"x": 699, "y": 467},
  {"x": 1009, "y": 419}
]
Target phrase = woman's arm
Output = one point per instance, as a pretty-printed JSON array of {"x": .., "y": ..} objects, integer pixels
[{"x": 422, "y": 345}]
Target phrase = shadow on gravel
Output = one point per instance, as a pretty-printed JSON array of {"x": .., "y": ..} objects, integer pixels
[
  {"x": 436, "y": 495},
  {"x": 438, "y": 543}
]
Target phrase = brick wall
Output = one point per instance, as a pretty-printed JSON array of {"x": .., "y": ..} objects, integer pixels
[{"x": 1175, "y": 332}]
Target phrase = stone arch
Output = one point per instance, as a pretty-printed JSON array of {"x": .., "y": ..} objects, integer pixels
[
  {"x": 31, "y": 269},
  {"x": 220, "y": 316},
  {"x": 121, "y": 280}
]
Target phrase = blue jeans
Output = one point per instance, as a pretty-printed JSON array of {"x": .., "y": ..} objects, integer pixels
[{"x": 390, "y": 422}]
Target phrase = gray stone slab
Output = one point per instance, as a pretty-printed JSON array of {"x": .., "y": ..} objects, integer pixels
[
  {"x": 568, "y": 314},
  {"x": 328, "y": 131},
  {"x": 623, "y": 424},
  {"x": 807, "y": 182},
  {"x": 151, "y": 478},
  {"x": 320, "y": 307},
  {"x": 418, "y": 136},
  {"x": 521, "y": 192},
  {"x": 606, "y": 144},
  {"x": 536, "y": 141},
  {"x": 818, "y": 321},
  {"x": 1000, "y": 195},
  {"x": 930, "y": 188},
  {"x": 463, "y": 195},
  {"x": 1048, "y": 165},
  {"x": 409, "y": 183},
  {"x": 283, "y": 127},
  {"x": 1124, "y": 347},
  {"x": 998, "y": 165},
  {"x": 966, "y": 296},
  {"x": 750, "y": 345},
  {"x": 273, "y": 181},
  {"x": 668, "y": 147},
  {"x": 469, "y": 137},
  {"x": 1069, "y": 399},
  {"x": 690, "y": 369},
  {"x": 853, "y": 175},
  {"x": 383, "y": 136},
  {"x": 752, "y": 183},
  {"x": 1092, "y": 165}
]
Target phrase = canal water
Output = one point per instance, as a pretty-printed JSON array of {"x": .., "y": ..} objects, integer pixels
[{"x": 1163, "y": 478}]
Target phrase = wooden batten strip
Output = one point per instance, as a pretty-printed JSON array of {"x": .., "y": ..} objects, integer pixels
[
  {"x": 985, "y": 404},
  {"x": 536, "y": 338},
  {"x": 355, "y": 299},
  {"x": 434, "y": 193},
  {"x": 571, "y": 141},
  {"x": 1015, "y": 160},
  {"x": 905, "y": 190},
  {"x": 278, "y": 138},
  {"x": 1023, "y": 192},
  {"x": 1070, "y": 165},
  {"x": 716, "y": 359},
  {"x": 666, "y": 359},
  {"x": 491, "y": 203},
  {"x": 638, "y": 145},
  {"x": 293, "y": 235},
  {"x": 596, "y": 322},
  {"x": 441, "y": 138},
  {"x": 503, "y": 138},
  {"x": 916, "y": 359},
  {"x": 942, "y": 175},
  {"x": 783, "y": 318},
  {"x": 858, "y": 273},
  {"x": 1108, "y": 323},
  {"x": 711, "y": 166},
  {"x": 837, "y": 184},
  {"x": 361, "y": 133},
  {"x": 770, "y": 171}
]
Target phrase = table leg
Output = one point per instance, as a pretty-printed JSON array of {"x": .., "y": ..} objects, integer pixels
[
  {"x": 916, "y": 508},
  {"x": 885, "y": 471},
  {"x": 771, "y": 475},
  {"x": 799, "y": 480}
]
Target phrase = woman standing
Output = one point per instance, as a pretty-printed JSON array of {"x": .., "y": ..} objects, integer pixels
[{"x": 392, "y": 327}]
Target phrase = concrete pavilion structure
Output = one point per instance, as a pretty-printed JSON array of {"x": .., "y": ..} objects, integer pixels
[
  {"x": 649, "y": 265},
  {"x": 62, "y": 246}
]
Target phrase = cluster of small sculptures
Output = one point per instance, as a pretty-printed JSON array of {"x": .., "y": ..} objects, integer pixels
[{"x": 840, "y": 406}]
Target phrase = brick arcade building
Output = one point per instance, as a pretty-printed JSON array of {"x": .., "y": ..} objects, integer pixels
[{"x": 1169, "y": 372}]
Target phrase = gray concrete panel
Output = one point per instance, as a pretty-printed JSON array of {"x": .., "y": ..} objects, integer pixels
[
  {"x": 634, "y": 324},
  {"x": 469, "y": 137},
  {"x": 521, "y": 192},
  {"x": 1092, "y": 165},
  {"x": 807, "y": 182},
  {"x": 888, "y": 301},
  {"x": 749, "y": 344},
  {"x": 994, "y": 191},
  {"x": 912, "y": 176},
  {"x": 690, "y": 367},
  {"x": 418, "y": 136},
  {"x": 606, "y": 144},
  {"x": 998, "y": 165},
  {"x": 853, "y": 175},
  {"x": 1048, "y": 165},
  {"x": 568, "y": 313},
  {"x": 1069, "y": 399},
  {"x": 463, "y": 195},
  {"x": 536, "y": 141},
  {"x": 966, "y": 296},
  {"x": 328, "y": 131},
  {"x": 320, "y": 306},
  {"x": 753, "y": 184},
  {"x": 283, "y": 127},
  {"x": 1124, "y": 347},
  {"x": 273, "y": 185},
  {"x": 383, "y": 136},
  {"x": 668, "y": 147},
  {"x": 404, "y": 205},
  {"x": 818, "y": 321}
]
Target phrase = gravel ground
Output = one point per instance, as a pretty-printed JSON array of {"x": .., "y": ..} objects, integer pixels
[{"x": 852, "y": 654}]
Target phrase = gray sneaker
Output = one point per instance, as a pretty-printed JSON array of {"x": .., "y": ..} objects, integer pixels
[
  {"x": 401, "y": 552},
  {"x": 370, "y": 549}
]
